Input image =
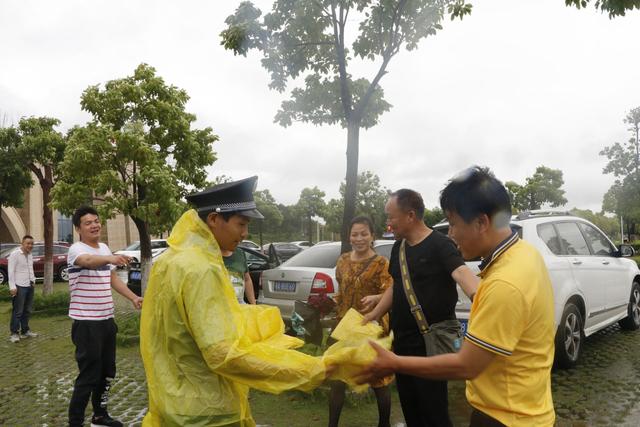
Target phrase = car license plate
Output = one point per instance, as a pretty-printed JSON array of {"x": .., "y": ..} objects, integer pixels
[
  {"x": 463, "y": 323},
  {"x": 284, "y": 286},
  {"x": 135, "y": 275}
]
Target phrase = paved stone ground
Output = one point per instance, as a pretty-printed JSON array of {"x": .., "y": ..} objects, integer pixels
[{"x": 36, "y": 377}]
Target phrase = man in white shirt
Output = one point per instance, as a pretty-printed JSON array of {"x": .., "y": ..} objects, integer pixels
[
  {"x": 91, "y": 277},
  {"x": 21, "y": 281}
]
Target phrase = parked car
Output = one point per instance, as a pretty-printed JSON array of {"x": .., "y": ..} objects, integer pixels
[
  {"x": 302, "y": 243},
  {"x": 283, "y": 250},
  {"x": 249, "y": 244},
  {"x": 8, "y": 246},
  {"x": 133, "y": 250},
  {"x": 60, "y": 270},
  {"x": 594, "y": 285},
  {"x": 134, "y": 273},
  {"x": 256, "y": 262},
  {"x": 311, "y": 271}
]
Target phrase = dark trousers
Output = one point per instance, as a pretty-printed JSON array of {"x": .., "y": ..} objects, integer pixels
[
  {"x": 95, "y": 342},
  {"x": 22, "y": 307},
  {"x": 425, "y": 403},
  {"x": 480, "y": 419}
]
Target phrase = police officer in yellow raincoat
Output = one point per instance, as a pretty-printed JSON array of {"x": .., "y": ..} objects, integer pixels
[{"x": 201, "y": 349}]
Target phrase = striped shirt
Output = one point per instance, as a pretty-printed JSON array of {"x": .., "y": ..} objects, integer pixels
[{"x": 91, "y": 297}]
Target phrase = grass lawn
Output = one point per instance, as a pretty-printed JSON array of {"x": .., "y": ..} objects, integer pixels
[{"x": 301, "y": 409}]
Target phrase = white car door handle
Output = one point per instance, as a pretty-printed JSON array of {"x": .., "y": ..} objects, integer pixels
[
  {"x": 576, "y": 262},
  {"x": 605, "y": 262}
]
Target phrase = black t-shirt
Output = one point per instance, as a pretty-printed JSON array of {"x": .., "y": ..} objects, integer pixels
[{"x": 431, "y": 263}]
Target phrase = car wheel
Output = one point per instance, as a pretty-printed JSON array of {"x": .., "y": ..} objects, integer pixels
[
  {"x": 63, "y": 273},
  {"x": 632, "y": 321},
  {"x": 3, "y": 276},
  {"x": 569, "y": 337}
]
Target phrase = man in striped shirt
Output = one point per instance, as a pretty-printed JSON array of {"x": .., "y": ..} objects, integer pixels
[{"x": 91, "y": 277}]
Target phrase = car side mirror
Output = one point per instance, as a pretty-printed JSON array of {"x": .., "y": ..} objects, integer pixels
[
  {"x": 256, "y": 265},
  {"x": 626, "y": 251},
  {"x": 273, "y": 256}
]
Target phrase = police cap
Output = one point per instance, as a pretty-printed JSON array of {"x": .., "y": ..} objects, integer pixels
[{"x": 236, "y": 196}]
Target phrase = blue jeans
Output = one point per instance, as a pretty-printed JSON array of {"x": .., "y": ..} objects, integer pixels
[{"x": 22, "y": 307}]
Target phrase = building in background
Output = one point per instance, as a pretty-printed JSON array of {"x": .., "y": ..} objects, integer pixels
[{"x": 16, "y": 222}]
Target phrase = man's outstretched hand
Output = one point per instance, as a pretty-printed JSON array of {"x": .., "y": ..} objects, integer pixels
[{"x": 385, "y": 364}]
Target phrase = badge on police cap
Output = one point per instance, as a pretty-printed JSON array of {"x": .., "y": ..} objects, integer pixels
[{"x": 236, "y": 196}]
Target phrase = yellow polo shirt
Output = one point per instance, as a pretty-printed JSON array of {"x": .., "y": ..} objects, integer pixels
[{"x": 512, "y": 316}]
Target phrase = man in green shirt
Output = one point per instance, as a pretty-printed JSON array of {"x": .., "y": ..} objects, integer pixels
[{"x": 236, "y": 263}]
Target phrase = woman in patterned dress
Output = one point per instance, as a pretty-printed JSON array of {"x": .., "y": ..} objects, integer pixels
[{"x": 363, "y": 277}]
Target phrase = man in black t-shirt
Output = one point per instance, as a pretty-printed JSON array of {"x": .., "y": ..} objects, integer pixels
[{"x": 435, "y": 265}]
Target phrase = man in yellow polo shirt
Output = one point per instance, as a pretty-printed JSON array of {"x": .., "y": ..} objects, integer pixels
[{"x": 508, "y": 350}]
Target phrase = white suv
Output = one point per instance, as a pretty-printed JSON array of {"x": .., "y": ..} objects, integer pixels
[{"x": 594, "y": 285}]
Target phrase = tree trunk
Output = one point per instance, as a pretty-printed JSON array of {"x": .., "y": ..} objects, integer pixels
[
  {"x": 47, "y": 219},
  {"x": 145, "y": 251},
  {"x": 127, "y": 230},
  {"x": 310, "y": 229},
  {"x": 350, "y": 193}
]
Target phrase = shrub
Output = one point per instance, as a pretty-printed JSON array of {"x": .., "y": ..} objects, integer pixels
[
  {"x": 4, "y": 292},
  {"x": 128, "y": 330},
  {"x": 53, "y": 304}
]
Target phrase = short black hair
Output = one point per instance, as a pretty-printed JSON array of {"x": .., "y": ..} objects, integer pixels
[
  {"x": 225, "y": 215},
  {"x": 365, "y": 220},
  {"x": 82, "y": 211},
  {"x": 27, "y": 236},
  {"x": 476, "y": 191},
  {"x": 409, "y": 200}
]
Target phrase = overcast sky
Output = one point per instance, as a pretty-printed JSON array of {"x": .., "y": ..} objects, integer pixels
[{"x": 515, "y": 85}]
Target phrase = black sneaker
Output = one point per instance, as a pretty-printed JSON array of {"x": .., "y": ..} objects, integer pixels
[{"x": 105, "y": 420}]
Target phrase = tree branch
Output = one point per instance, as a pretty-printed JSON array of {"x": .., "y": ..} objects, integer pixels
[
  {"x": 324, "y": 11},
  {"x": 392, "y": 48},
  {"x": 309, "y": 44},
  {"x": 338, "y": 35},
  {"x": 36, "y": 171}
]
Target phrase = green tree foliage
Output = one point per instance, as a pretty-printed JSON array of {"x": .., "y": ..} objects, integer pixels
[
  {"x": 14, "y": 177},
  {"x": 370, "y": 200},
  {"x": 613, "y": 7},
  {"x": 273, "y": 218},
  {"x": 623, "y": 198},
  {"x": 36, "y": 147},
  {"x": 610, "y": 225},
  {"x": 433, "y": 216},
  {"x": 309, "y": 38},
  {"x": 292, "y": 227},
  {"x": 138, "y": 156},
  {"x": 310, "y": 204},
  {"x": 543, "y": 187}
]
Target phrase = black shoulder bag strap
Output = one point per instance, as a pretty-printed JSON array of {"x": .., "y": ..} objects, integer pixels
[{"x": 416, "y": 308}]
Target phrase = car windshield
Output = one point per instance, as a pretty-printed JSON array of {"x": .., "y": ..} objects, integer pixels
[
  {"x": 324, "y": 256},
  {"x": 135, "y": 246},
  {"x": 5, "y": 253}
]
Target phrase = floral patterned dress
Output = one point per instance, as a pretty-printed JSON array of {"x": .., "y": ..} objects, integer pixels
[{"x": 357, "y": 280}]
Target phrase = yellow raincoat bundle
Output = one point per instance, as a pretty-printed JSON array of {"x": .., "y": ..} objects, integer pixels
[
  {"x": 201, "y": 349},
  {"x": 352, "y": 352}
]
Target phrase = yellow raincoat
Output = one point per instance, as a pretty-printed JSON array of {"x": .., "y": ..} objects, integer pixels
[{"x": 201, "y": 349}]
